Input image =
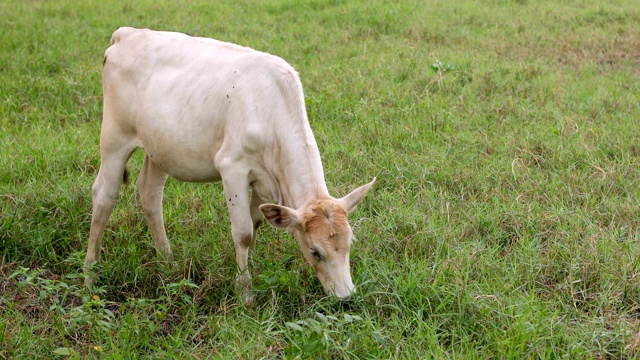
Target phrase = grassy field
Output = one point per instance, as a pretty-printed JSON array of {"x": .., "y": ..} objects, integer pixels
[{"x": 505, "y": 222}]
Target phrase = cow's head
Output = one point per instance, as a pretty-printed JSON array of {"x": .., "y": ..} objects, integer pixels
[{"x": 324, "y": 235}]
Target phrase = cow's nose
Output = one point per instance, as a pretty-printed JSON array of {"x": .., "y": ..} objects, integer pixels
[{"x": 346, "y": 292}]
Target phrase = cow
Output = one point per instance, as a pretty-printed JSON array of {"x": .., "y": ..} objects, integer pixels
[{"x": 204, "y": 110}]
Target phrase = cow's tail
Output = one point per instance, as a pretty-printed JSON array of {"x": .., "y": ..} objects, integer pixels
[
  {"x": 116, "y": 37},
  {"x": 121, "y": 33},
  {"x": 125, "y": 177}
]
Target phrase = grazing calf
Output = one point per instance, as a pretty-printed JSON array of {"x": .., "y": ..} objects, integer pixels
[{"x": 205, "y": 110}]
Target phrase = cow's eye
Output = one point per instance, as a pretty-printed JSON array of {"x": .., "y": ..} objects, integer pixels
[{"x": 315, "y": 254}]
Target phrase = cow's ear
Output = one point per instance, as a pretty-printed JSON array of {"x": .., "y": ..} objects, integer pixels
[
  {"x": 281, "y": 217},
  {"x": 350, "y": 201}
]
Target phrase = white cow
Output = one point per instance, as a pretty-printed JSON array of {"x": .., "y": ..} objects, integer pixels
[{"x": 205, "y": 110}]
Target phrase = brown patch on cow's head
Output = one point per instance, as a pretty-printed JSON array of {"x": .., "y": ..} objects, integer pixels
[{"x": 324, "y": 219}]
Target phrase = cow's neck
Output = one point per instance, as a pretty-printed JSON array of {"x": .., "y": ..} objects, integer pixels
[{"x": 301, "y": 177}]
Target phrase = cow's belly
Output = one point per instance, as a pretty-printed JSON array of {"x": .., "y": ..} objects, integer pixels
[
  {"x": 186, "y": 169},
  {"x": 183, "y": 159},
  {"x": 192, "y": 171}
]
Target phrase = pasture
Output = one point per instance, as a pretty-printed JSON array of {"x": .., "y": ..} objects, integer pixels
[{"x": 504, "y": 223}]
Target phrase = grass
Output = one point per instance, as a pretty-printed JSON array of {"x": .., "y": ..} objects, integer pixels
[{"x": 504, "y": 222}]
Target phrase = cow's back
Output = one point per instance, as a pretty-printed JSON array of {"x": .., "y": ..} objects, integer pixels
[{"x": 167, "y": 67}]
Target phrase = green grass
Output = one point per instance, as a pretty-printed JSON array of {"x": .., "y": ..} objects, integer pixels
[{"x": 504, "y": 222}]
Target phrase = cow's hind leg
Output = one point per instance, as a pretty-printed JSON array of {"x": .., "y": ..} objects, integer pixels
[
  {"x": 150, "y": 187},
  {"x": 105, "y": 191}
]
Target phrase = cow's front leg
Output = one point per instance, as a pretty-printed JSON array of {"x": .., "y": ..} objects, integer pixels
[
  {"x": 236, "y": 190},
  {"x": 256, "y": 215}
]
